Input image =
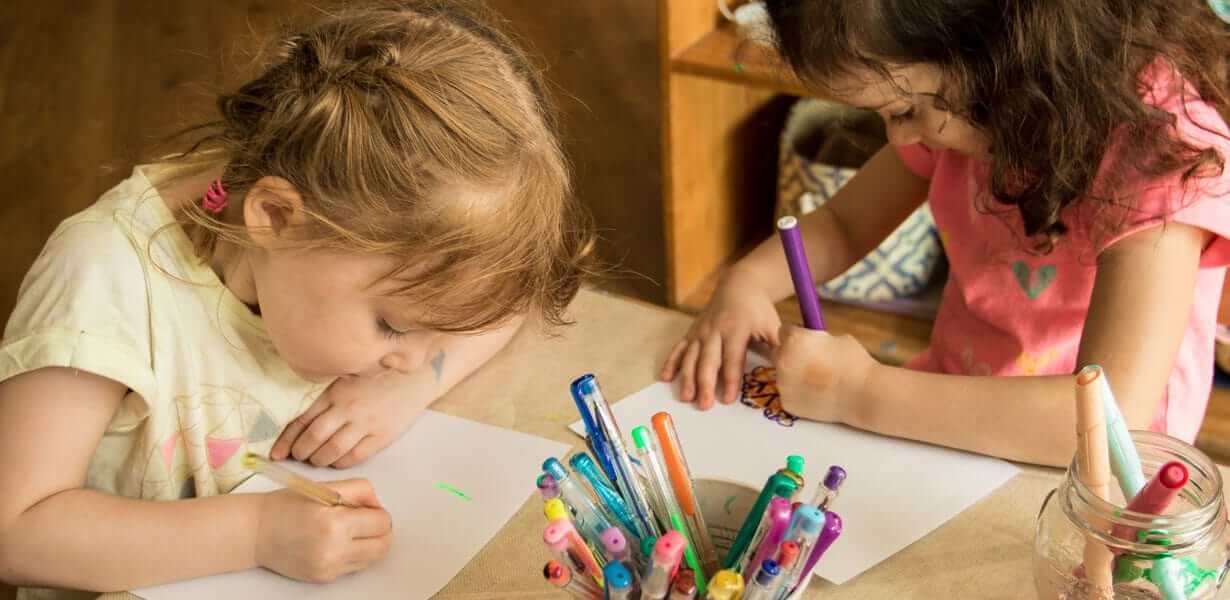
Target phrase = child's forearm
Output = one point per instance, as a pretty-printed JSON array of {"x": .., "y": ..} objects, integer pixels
[
  {"x": 460, "y": 356},
  {"x": 88, "y": 540},
  {"x": 1028, "y": 419}
]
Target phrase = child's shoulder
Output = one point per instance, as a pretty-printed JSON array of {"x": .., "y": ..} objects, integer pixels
[
  {"x": 116, "y": 231},
  {"x": 83, "y": 303},
  {"x": 1196, "y": 121},
  {"x": 95, "y": 269},
  {"x": 1196, "y": 196}
]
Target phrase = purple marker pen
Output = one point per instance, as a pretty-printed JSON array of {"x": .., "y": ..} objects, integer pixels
[{"x": 800, "y": 273}]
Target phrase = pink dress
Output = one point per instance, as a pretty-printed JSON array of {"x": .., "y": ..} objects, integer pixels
[{"x": 1009, "y": 311}]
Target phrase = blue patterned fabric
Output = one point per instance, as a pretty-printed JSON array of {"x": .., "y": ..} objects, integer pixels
[
  {"x": 900, "y": 266},
  {"x": 903, "y": 263}
]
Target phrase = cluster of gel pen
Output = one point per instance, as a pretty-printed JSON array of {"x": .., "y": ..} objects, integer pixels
[{"x": 625, "y": 523}]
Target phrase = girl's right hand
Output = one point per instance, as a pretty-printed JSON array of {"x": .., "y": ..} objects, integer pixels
[
  {"x": 739, "y": 313},
  {"x": 305, "y": 540}
]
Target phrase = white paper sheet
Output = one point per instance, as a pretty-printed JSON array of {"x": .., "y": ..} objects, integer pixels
[
  {"x": 897, "y": 491},
  {"x": 435, "y": 531}
]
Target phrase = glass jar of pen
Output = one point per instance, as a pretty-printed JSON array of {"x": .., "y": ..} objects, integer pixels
[
  {"x": 1156, "y": 529},
  {"x": 633, "y": 523}
]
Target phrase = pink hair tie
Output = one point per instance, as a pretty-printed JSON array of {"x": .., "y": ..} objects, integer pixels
[{"x": 215, "y": 197}]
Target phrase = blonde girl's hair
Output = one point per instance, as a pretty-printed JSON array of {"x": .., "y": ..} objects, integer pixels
[{"x": 418, "y": 131}]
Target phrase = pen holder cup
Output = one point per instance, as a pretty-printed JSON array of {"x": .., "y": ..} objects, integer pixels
[
  {"x": 724, "y": 505},
  {"x": 1181, "y": 554}
]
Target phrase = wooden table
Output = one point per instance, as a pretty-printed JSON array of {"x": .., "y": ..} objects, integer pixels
[{"x": 985, "y": 552}]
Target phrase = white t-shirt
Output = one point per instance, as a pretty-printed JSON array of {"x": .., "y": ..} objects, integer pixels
[{"x": 205, "y": 384}]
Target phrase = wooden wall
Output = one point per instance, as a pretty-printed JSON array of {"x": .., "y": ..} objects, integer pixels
[
  {"x": 603, "y": 58},
  {"x": 86, "y": 87}
]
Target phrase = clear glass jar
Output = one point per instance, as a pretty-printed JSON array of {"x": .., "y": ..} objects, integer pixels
[{"x": 1186, "y": 547}]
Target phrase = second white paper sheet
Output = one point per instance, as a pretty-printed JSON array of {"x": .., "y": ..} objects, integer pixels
[{"x": 897, "y": 490}]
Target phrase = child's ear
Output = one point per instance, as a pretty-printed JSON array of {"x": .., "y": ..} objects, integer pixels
[{"x": 271, "y": 205}]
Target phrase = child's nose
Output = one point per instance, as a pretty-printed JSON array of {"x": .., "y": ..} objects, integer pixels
[{"x": 398, "y": 361}]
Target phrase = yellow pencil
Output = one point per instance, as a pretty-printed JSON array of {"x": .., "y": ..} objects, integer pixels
[{"x": 296, "y": 483}]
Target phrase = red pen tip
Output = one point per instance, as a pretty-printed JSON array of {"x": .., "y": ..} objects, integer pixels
[
  {"x": 788, "y": 553},
  {"x": 1173, "y": 475}
]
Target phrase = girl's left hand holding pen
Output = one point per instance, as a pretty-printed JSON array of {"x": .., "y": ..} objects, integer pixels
[{"x": 820, "y": 376}]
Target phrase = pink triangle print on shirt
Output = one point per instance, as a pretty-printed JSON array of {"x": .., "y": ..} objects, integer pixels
[{"x": 221, "y": 450}]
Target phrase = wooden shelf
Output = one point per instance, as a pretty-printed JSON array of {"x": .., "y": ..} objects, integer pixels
[
  {"x": 890, "y": 338},
  {"x": 727, "y": 55},
  {"x": 725, "y": 101}
]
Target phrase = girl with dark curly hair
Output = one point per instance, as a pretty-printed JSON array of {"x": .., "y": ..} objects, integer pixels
[{"x": 1073, "y": 154}]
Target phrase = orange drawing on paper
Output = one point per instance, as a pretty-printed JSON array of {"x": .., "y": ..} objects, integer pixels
[{"x": 760, "y": 391}]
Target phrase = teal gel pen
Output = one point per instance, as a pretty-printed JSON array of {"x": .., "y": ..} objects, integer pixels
[
  {"x": 614, "y": 503},
  {"x": 590, "y": 520}
]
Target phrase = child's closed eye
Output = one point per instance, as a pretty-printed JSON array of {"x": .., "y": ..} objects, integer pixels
[
  {"x": 388, "y": 330},
  {"x": 902, "y": 116}
]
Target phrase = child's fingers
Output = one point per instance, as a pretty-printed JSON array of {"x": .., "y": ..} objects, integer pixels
[
  {"x": 671, "y": 366},
  {"x": 707, "y": 370},
  {"x": 364, "y": 449},
  {"x": 785, "y": 332},
  {"x": 365, "y": 523},
  {"x": 358, "y": 492},
  {"x": 337, "y": 446},
  {"x": 784, "y": 335},
  {"x": 281, "y": 448},
  {"x": 321, "y": 429},
  {"x": 687, "y": 371},
  {"x": 734, "y": 352},
  {"x": 367, "y": 551},
  {"x": 773, "y": 338}
]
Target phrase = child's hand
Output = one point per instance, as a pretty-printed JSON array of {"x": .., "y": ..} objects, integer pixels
[
  {"x": 353, "y": 419},
  {"x": 820, "y": 377},
  {"x": 739, "y": 313},
  {"x": 305, "y": 540}
]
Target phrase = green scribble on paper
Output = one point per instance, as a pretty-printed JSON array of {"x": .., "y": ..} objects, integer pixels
[
  {"x": 729, "y": 501},
  {"x": 452, "y": 490}
]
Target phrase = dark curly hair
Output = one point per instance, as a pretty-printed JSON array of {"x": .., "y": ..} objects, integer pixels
[{"x": 1052, "y": 83}]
